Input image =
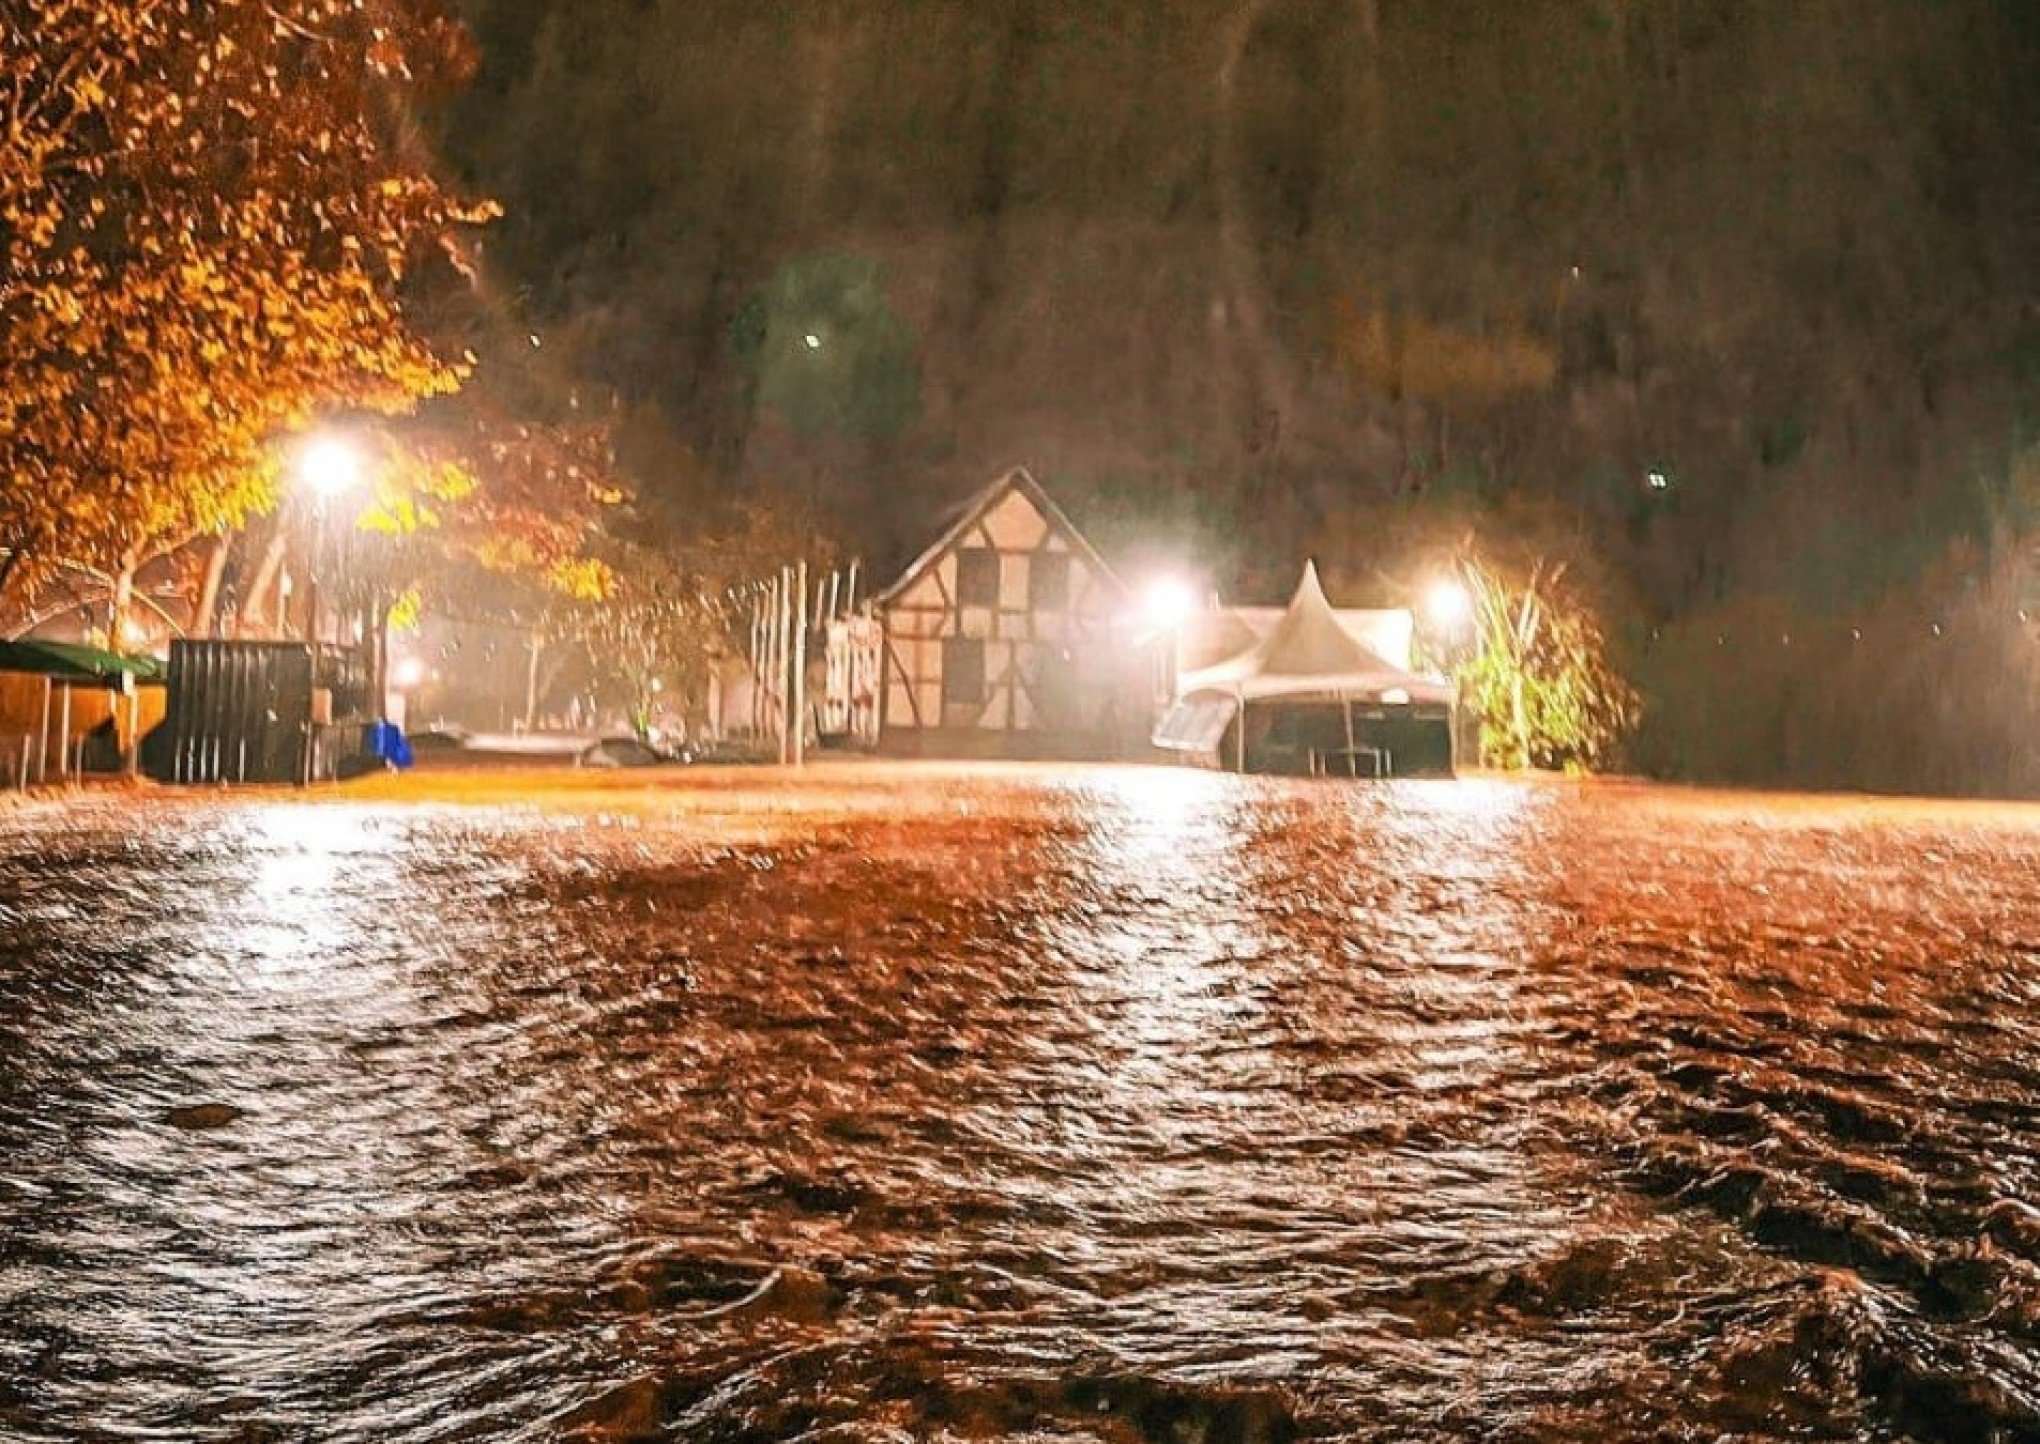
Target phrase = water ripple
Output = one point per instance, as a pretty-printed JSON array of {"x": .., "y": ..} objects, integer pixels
[{"x": 1132, "y": 1104}]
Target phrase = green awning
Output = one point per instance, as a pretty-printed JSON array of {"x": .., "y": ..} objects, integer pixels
[{"x": 69, "y": 662}]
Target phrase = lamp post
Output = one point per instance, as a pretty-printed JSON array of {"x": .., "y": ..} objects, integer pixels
[
  {"x": 327, "y": 467},
  {"x": 1448, "y": 608},
  {"x": 1166, "y": 604}
]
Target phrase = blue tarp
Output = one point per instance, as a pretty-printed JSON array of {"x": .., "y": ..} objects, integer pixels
[{"x": 386, "y": 740}]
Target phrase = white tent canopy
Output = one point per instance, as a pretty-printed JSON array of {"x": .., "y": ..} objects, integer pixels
[{"x": 1310, "y": 654}]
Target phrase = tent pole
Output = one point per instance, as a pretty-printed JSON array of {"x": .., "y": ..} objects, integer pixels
[
  {"x": 1352, "y": 754},
  {"x": 1240, "y": 721}
]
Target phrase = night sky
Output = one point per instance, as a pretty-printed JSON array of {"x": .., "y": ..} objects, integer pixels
[{"x": 1746, "y": 290}]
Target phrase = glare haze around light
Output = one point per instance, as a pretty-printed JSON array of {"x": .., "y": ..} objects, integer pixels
[
  {"x": 329, "y": 466},
  {"x": 1167, "y": 603},
  {"x": 1447, "y": 603}
]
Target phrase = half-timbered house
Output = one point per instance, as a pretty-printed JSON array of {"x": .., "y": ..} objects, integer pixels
[{"x": 1009, "y": 637}]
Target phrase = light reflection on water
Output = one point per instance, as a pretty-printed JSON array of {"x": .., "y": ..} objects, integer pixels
[
  {"x": 1124, "y": 1104},
  {"x": 255, "y": 1268}
]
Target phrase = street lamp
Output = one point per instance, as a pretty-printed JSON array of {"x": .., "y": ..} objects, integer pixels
[
  {"x": 1448, "y": 604},
  {"x": 1167, "y": 604},
  {"x": 1448, "y": 608},
  {"x": 327, "y": 466}
]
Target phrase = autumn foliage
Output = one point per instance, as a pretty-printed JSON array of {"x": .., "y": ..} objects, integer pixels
[{"x": 212, "y": 212}]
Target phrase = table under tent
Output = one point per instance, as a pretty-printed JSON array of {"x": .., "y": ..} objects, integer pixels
[{"x": 1311, "y": 699}]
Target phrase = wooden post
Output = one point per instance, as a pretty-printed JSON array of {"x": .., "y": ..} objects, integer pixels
[
  {"x": 768, "y": 642},
  {"x": 850, "y": 591},
  {"x": 782, "y": 677},
  {"x": 1352, "y": 754},
  {"x": 378, "y": 641},
  {"x": 757, "y": 673},
  {"x": 771, "y": 679},
  {"x": 64, "y": 738},
  {"x": 757, "y": 662},
  {"x": 766, "y": 601},
  {"x": 751, "y": 656},
  {"x": 131, "y": 763},
  {"x": 775, "y": 666},
  {"x": 42, "y": 737},
  {"x": 800, "y": 640},
  {"x": 530, "y": 684},
  {"x": 1240, "y": 721}
]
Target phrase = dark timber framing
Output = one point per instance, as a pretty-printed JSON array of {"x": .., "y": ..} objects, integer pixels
[{"x": 1058, "y": 677}]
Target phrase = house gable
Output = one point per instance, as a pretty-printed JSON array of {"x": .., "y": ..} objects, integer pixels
[
  {"x": 1013, "y": 513},
  {"x": 1005, "y": 624}
]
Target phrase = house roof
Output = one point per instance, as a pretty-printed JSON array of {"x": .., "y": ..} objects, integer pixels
[{"x": 975, "y": 509}]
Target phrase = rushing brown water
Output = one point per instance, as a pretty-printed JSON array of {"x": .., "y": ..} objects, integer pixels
[{"x": 1121, "y": 1105}]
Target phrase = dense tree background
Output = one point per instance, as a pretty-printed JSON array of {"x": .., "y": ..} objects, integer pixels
[
  {"x": 1261, "y": 261},
  {"x": 1738, "y": 299}
]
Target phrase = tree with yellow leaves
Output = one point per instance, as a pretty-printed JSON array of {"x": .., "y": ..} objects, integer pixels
[{"x": 209, "y": 214}]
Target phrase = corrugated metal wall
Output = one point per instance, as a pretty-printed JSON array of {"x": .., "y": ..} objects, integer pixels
[{"x": 239, "y": 712}]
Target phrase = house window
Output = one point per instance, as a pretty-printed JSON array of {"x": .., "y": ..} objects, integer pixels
[
  {"x": 977, "y": 577},
  {"x": 963, "y": 670},
  {"x": 1048, "y": 582}
]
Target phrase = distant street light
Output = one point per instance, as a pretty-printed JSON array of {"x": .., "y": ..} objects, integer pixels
[
  {"x": 329, "y": 465},
  {"x": 1448, "y": 604},
  {"x": 1167, "y": 603}
]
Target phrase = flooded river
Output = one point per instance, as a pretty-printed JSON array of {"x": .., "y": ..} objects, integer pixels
[{"x": 1119, "y": 1105}]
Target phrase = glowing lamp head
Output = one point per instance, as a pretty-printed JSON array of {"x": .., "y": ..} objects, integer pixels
[
  {"x": 407, "y": 672},
  {"x": 328, "y": 466},
  {"x": 1448, "y": 604},
  {"x": 1167, "y": 603}
]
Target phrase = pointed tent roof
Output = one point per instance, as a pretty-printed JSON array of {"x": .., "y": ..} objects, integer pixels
[
  {"x": 1018, "y": 479},
  {"x": 1309, "y": 653}
]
